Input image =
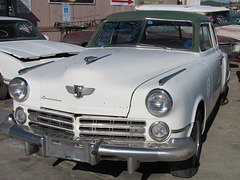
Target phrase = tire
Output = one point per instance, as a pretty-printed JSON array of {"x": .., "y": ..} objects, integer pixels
[
  {"x": 188, "y": 168},
  {"x": 3, "y": 89}
]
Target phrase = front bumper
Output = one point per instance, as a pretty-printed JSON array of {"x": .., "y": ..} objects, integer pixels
[{"x": 93, "y": 150}]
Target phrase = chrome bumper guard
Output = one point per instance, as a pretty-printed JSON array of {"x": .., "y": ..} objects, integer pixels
[{"x": 92, "y": 151}]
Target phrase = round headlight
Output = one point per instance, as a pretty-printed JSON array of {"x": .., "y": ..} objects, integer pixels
[
  {"x": 18, "y": 89},
  {"x": 158, "y": 102},
  {"x": 159, "y": 131},
  {"x": 20, "y": 116}
]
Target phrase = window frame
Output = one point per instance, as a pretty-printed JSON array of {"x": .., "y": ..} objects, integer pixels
[
  {"x": 211, "y": 41},
  {"x": 214, "y": 35}
]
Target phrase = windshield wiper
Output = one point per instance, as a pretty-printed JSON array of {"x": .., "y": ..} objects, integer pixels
[
  {"x": 155, "y": 45},
  {"x": 118, "y": 45}
]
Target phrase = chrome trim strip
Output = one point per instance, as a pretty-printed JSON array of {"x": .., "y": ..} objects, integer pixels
[
  {"x": 177, "y": 149},
  {"x": 226, "y": 43},
  {"x": 25, "y": 70},
  {"x": 182, "y": 129},
  {"x": 167, "y": 78}
]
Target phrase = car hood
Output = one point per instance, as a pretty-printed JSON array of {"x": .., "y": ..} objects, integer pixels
[
  {"x": 113, "y": 73},
  {"x": 231, "y": 31},
  {"x": 36, "y": 49}
]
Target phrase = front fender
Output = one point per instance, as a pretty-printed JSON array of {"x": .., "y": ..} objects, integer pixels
[{"x": 187, "y": 89}]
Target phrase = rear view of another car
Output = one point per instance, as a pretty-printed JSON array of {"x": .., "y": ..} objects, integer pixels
[{"x": 22, "y": 46}]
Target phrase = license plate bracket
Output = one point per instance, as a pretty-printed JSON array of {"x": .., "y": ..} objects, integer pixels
[{"x": 77, "y": 150}]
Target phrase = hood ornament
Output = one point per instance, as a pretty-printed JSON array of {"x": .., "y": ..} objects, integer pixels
[
  {"x": 79, "y": 91},
  {"x": 91, "y": 59}
]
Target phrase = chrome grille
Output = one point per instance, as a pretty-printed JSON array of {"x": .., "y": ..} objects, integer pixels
[
  {"x": 58, "y": 125},
  {"x": 50, "y": 124},
  {"x": 113, "y": 128}
]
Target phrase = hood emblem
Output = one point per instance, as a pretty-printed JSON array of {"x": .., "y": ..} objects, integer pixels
[{"x": 79, "y": 91}]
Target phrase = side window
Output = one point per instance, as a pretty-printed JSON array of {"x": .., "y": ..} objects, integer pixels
[
  {"x": 214, "y": 35},
  {"x": 205, "y": 38},
  {"x": 172, "y": 34}
]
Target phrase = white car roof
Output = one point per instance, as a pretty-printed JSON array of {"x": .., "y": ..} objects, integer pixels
[
  {"x": 11, "y": 18},
  {"x": 197, "y": 9}
]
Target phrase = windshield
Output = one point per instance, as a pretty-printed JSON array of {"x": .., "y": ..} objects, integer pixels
[
  {"x": 124, "y": 32},
  {"x": 18, "y": 30},
  {"x": 221, "y": 18},
  {"x": 159, "y": 33}
]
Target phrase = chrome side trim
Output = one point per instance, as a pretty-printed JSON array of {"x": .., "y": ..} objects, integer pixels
[
  {"x": 182, "y": 129},
  {"x": 25, "y": 70},
  {"x": 167, "y": 78}
]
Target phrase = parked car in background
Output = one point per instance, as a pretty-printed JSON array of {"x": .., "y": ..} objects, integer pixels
[
  {"x": 235, "y": 16},
  {"x": 77, "y": 34},
  {"x": 141, "y": 91},
  {"x": 227, "y": 28},
  {"x": 80, "y": 37},
  {"x": 22, "y": 45}
]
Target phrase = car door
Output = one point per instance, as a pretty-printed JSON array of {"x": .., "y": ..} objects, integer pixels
[{"x": 212, "y": 58}]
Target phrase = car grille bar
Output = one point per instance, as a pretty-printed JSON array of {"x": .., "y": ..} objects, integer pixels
[
  {"x": 51, "y": 124},
  {"x": 116, "y": 128},
  {"x": 57, "y": 124}
]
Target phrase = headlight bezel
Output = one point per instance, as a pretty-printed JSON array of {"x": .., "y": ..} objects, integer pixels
[
  {"x": 18, "y": 89},
  {"x": 164, "y": 110}
]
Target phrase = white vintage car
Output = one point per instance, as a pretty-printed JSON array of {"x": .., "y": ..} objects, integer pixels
[
  {"x": 140, "y": 92},
  {"x": 22, "y": 45}
]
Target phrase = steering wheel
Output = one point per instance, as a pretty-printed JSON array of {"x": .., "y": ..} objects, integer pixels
[
  {"x": 175, "y": 42},
  {"x": 3, "y": 34}
]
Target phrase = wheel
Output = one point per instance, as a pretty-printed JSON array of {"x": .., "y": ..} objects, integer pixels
[
  {"x": 189, "y": 168},
  {"x": 3, "y": 89}
]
